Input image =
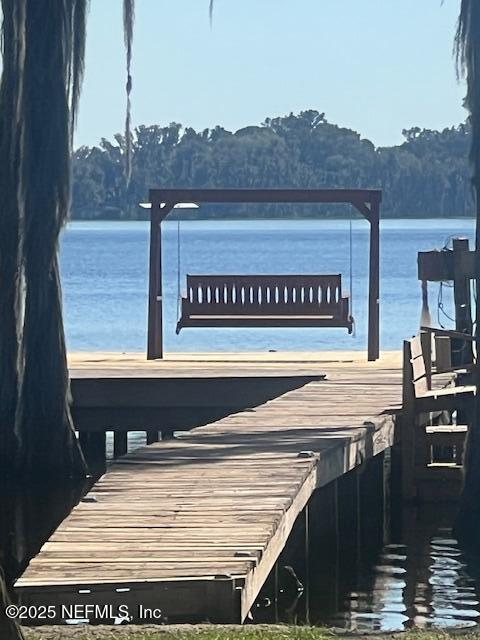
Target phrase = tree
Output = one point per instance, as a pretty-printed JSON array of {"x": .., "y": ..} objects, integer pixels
[
  {"x": 43, "y": 48},
  {"x": 9, "y": 630},
  {"x": 427, "y": 175},
  {"x": 468, "y": 55}
]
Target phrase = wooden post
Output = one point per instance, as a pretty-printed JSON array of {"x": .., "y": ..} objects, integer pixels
[
  {"x": 120, "y": 443},
  {"x": 374, "y": 284},
  {"x": 371, "y": 511},
  {"x": 155, "y": 299},
  {"x": 426, "y": 341},
  {"x": 349, "y": 525},
  {"x": 222, "y": 601},
  {"x": 407, "y": 422},
  {"x": 155, "y": 346},
  {"x": 323, "y": 562},
  {"x": 276, "y": 592},
  {"x": 443, "y": 354},
  {"x": 93, "y": 444},
  {"x": 152, "y": 436},
  {"x": 463, "y": 353},
  {"x": 307, "y": 563}
]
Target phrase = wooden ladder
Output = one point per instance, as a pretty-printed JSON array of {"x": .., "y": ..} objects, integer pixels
[{"x": 432, "y": 451}]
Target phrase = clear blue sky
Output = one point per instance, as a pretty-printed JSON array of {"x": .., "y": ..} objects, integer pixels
[{"x": 377, "y": 66}]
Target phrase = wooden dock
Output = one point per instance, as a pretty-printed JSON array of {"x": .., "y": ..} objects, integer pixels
[{"x": 193, "y": 526}]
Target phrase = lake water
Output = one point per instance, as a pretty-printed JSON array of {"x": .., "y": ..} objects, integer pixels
[
  {"x": 105, "y": 278},
  {"x": 371, "y": 564}
]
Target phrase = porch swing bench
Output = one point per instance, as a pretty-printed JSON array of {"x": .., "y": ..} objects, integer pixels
[{"x": 265, "y": 301}]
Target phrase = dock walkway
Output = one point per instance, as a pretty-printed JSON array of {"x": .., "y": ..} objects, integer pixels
[{"x": 193, "y": 526}]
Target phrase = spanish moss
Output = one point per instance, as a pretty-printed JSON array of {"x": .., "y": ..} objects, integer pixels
[
  {"x": 128, "y": 20},
  {"x": 79, "y": 28},
  {"x": 48, "y": 442}
]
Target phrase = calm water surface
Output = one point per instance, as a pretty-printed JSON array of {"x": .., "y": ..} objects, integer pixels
[
  {"x": 374, "y": 566},
  {"x": 104, "y": 267}
]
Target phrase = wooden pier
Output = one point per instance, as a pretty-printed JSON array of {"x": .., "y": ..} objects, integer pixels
[{"x": 194, "y": 525}]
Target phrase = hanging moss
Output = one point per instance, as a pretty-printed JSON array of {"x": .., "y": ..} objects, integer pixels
[{"x": 43, "y": 61}]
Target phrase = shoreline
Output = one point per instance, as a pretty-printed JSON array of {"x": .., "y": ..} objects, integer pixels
[
  {"x": 231, "y": 632},
  {"x": 239, "y": 218}
]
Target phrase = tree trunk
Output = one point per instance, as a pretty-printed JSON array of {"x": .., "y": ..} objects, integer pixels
[
  {"x": 43, "y": 47},
  {"x": 48, "y": 445},
  {"x": 10, "y": 308},
  {"x": 467, "y": 44},
  {"x": 9, "y": 630},
  {"x": 467, "y": 526}
]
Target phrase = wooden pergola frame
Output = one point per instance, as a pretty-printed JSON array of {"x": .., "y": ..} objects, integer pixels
[{"x": 366, "y": 201}]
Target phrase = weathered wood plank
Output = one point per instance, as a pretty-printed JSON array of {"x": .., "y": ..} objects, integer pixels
[{"x": 221, "y": 500}]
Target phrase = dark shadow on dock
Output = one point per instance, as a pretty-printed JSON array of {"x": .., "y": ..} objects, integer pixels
[
  {"x": 172, "y": 403},
  {"x": 29, "y": 516},
  {"x": 214, "y": 449}
]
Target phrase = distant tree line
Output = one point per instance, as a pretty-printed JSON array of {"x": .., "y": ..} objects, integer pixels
[{"x": 426, "y": 176}]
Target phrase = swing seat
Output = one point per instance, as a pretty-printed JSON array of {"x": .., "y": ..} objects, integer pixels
[{"x": 265, "y": 301}]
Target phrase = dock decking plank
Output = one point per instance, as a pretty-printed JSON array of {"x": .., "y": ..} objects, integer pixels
[{"x": 209, "y": 512}]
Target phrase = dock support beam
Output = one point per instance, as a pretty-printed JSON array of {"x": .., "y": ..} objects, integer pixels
[
  {"x": 155, "y": 342},
  {"x": 159, "y": 212},
  {"x": 94, "y": 448},
  {"x": 120, "y": 443},
  {"x": 374, "y": 292},
  {"x": 462, "y": 296},
  {"x": 152, "y": 436}
]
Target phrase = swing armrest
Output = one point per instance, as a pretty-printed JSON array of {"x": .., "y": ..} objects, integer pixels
[
  {"x": 461, "y": 368},
  {"x": 450, "y": 334}
]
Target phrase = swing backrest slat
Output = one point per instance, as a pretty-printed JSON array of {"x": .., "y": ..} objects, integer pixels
[{"x": 278, "y": 295}]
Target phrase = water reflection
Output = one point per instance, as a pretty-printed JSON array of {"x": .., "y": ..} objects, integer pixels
[{"x": 366, "y": 567}]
